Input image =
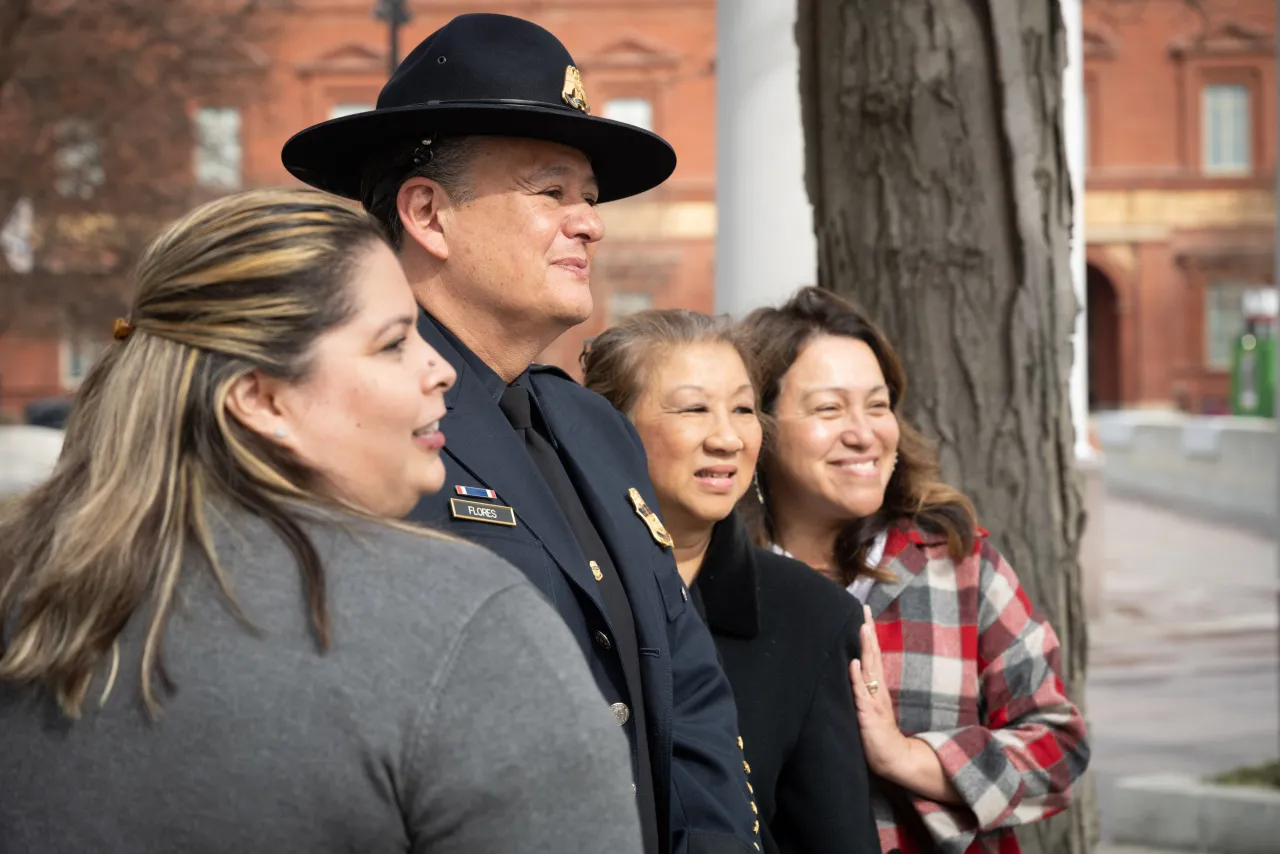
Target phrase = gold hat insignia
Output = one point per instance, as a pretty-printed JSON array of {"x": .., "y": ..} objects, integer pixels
[{"x": 573, "y": 93}]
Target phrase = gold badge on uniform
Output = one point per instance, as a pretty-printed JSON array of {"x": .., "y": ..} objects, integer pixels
[
  {"x": 573, "y": 93},
  {"x": 650, "y": 518},
  {"x": 595, "y": 570}
]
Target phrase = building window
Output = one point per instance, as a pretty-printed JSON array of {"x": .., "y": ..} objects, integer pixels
[
  {"x": 633, "y": 111},
  {"x": 1227, "y": 129},
  {"x": 76, "y": 357},
  {"x": 337, "y": 111},
  {"x": 218, "y": 153},
  {"x": 623, "y": 303},
  {"x": 1223, "y": 322},
  {"x": 78, "y": 161}
]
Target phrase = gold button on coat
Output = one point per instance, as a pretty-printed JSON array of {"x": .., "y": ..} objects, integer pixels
[{"x": 620, "y": 713}]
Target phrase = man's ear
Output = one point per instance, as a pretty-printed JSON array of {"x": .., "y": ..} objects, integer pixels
[
  {"x": 256, "y": 401},
  {"x": 419, "y": 203}
]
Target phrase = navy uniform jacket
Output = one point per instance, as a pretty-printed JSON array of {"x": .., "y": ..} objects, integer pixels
[{"x": 691, "y": 717}]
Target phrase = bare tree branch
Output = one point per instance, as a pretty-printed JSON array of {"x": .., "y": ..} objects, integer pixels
[
  {"x": 13, "y": 15},
  {"x": 96, "y": 106}
]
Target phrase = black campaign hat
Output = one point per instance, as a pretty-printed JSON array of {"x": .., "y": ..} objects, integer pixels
[{"x": 481, "y": 74}]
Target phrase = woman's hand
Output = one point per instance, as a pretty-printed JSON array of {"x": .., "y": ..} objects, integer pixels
[
  {"x": 884, "y": 743},
  {"x": 909, "y": 762}
]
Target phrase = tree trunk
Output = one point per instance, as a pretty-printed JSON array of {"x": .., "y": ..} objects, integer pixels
[{"x": 935, "y": 164}]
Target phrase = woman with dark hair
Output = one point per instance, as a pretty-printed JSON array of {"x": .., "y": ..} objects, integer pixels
[
  {"x": 785, "y": 634},
  {"x": 960, "y": 704}
]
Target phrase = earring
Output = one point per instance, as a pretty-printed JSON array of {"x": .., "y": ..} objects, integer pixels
[
  {"x": 755, "y": 479},
  {"x": 280, "y": 433}
]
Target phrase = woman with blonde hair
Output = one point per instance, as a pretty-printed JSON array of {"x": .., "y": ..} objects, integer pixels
[
  {"x": 212, "y": 637},
  {"x": 785, "y": 634},
  {"x": 960, "y": 702}
]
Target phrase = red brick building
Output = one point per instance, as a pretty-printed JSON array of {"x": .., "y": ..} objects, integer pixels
[
  {"x": 648, "y": 62},
  {"x": 1181, "y": 114},
  {"x": 1179, "y": 204}
]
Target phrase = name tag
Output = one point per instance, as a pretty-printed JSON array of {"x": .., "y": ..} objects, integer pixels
[{"x": 479, "y": 511}]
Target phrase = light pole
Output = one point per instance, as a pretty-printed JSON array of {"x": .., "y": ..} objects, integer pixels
[{"x": 396, "y": 14}]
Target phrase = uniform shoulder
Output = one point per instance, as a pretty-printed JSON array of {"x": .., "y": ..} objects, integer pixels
[
  {"x": 551, "y": 371},
  {"x": 606, "y": 421},
  {"x": 552, "y": 377}
]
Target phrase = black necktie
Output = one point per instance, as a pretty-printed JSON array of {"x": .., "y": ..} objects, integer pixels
[{"x": 517, "y": 406}]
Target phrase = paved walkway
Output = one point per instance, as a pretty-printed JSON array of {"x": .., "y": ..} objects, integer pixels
[
  {"x": 1183, "y": 662},
  {"x": 1108, "y": 848}
]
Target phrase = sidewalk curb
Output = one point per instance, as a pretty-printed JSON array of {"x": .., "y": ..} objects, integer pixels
[{"x": 1181, "y": 811}]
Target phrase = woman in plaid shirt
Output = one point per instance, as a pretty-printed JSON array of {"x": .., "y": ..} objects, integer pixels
[{"x": 964, "y": 718}]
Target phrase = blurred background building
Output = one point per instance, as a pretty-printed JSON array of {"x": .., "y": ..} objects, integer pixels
[
  {"x": 1180, "y": 206},
  {"x": 1180, "y": 109},
  {"x": 646, "y": 62}
]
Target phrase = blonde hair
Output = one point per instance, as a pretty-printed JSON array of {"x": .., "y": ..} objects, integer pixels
[{"x": 245, "y": 283}]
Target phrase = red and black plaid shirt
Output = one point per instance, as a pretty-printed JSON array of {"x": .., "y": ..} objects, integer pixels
[{"x": 973, "y": 671}]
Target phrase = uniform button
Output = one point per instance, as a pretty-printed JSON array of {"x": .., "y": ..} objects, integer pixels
[
  {"x": 620, "y": 713},
  {"x": 602, "y": 640},
  {"x": 633, "y": 788}
]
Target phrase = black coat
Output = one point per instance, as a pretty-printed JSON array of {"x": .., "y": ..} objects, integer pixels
[
  {"x": 786, "y": 635},
  {"x": 703, "y": 805}
]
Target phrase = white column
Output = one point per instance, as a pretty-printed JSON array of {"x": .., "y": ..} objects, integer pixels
[
  {"x": 1074, "y": 129},
  {"x": 1088, "y": 463},
  {"x": 765, "y": 246}
]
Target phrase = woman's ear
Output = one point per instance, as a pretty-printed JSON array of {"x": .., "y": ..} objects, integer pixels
[{"x": 254, "y": 400}]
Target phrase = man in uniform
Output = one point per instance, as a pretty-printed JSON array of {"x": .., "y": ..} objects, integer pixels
[{"x": 485, "y": 165}]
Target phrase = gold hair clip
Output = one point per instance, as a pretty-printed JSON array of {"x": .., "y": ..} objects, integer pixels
[{"x": 122, "y": 330}]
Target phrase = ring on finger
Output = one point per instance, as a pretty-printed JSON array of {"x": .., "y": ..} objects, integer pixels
[{"x": 873, "y": 686}]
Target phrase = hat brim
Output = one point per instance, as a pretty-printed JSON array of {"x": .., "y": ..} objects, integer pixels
[{"x": 331, "y": 156}]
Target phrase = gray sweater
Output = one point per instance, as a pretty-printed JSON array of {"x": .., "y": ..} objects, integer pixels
[{"x": 454, "y": 713}]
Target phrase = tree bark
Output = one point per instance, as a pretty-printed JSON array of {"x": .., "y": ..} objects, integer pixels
[{"x": 942, "y": 205}]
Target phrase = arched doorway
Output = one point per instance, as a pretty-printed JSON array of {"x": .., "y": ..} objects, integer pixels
[{"x": 1104, "y": 341}]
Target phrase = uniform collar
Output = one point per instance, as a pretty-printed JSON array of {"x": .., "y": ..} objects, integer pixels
[
  {"x": 488, "y": 377},
  {"x": 476, "y": 366}
]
